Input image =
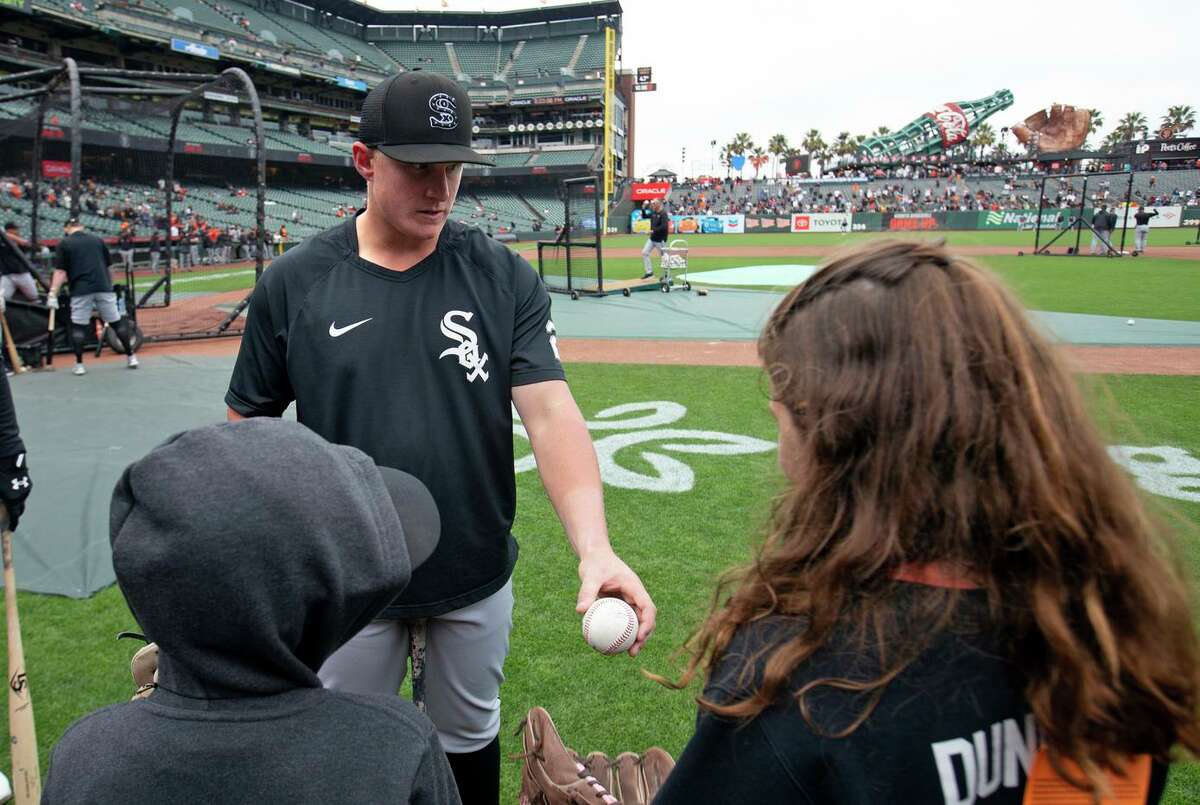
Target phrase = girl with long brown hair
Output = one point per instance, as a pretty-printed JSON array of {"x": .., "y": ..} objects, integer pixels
[{"x": 956, "y": 575}]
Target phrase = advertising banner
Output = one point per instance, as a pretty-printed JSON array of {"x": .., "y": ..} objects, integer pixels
[
  {"x": 722, "y": 224},
  {"x": 1167, "y": 217},
  {"x": 351, "y": 83},
  {"x": 1191, "y": 216},
  {"x": 645, "y": 191},
  {"x": 1018, "y": 219},
  {"x": 53, "y": 168},
  {"x": 195, "y": 49},
  {"x": 639, "y": 225},
  {"x": 1179, "y": 148},
  {"x": 767, "y": 223},
  {"x": 685, "y": 224},
  {"x": 909, "y": 221},
  {"x": 821, "y": 222}
]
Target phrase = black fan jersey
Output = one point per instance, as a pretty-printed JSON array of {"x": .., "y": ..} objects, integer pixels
[{"x": 416, "y": 369}]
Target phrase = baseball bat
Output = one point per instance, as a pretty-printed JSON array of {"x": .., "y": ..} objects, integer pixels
[
  {"x": 26, "y": 774},
  {"x": 50, "y": 339},
  {"x": 13, "y": 357}
]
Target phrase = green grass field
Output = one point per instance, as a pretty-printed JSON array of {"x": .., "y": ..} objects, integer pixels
[{"x": 678, "y": 541}]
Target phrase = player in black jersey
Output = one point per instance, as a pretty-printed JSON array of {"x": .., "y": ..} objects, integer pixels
[{"x": 411, "y": 338}]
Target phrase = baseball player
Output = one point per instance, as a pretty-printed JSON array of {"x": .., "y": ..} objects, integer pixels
[
  {"x": 411, "y": 338},
  {"x": 1141, "y": 220},
  {"x": 83, "y": 260},
  {"x": 16, "y": 276},
  {"x": 658, "y": 236}
]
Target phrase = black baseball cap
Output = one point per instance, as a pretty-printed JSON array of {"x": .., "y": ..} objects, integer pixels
[{"x": 419, "y": 117}]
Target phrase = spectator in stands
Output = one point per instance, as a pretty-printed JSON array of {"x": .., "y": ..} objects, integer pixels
[
  {"x": 281, "y": 240},
  {"x": 155, "y": 250},
  {"x": 125, "y": 247}
]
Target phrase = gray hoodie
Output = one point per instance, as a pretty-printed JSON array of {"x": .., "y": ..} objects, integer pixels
[{"x": 249, "y": 552}]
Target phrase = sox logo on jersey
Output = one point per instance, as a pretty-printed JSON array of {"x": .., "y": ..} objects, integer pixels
[{"x": 467, "y": 351}]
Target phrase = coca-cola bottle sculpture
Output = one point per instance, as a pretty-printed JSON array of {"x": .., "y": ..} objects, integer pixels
[{"x": 938, "y": 130}]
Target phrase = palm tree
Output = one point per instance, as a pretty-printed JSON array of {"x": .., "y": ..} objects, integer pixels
[
  {"x": 777, "y": 146},
  {"x": 1180, "y": 118},
  {"x": 758, "y": 158},
  {"x": 741, "y": 145},
  {"x": 983, "y": 137},
  {"x": 882, "y": 131},
  {"x": 815, "y": 146},
  {"x": 725, "y": 159},
  {"x": 1129, "y": 126},
  {"x": 1000, "y": 151},
  {"x": 1097, "y": 121},
  {"x": 1113, "y": 140},
  {"x": 844, "y": 144}
]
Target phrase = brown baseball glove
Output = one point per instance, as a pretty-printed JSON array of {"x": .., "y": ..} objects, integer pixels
[
  {"x": 144, "y": 667},
  {"x": 1063, "y": 129},
  {"x": 554, "y": 774}
]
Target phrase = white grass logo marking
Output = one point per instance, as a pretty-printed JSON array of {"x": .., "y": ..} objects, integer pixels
[
  {"x": 671, "y": 474},
  {"x": 1166, "y": 471}
]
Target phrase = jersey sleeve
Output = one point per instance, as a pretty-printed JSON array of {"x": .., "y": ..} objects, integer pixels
[
  {"x": 10, "y": 434},
  {"x": 260, "y": 385},
  {"x": 535, "y": 342}
]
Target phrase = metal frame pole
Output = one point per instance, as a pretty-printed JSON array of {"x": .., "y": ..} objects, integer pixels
[
  {"x": 1128, "y": 200},
  {"x": 1037, "y": 234},
  {"x": 1079, "y": 221}
]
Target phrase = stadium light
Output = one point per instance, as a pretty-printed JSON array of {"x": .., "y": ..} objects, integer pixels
[{"x": 511, "y": 128}]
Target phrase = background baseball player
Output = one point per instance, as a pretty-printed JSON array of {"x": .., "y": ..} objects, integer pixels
[
  {"x": 411, "y": 338},
  {"x": 658, "y": 236},
  {"x": 83, "y": 260}
]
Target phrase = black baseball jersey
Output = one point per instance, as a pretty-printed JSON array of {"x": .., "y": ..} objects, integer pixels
[
  {"x": 86, "y": 259},
  {"x": 416, "y": 369},
  {"x": 953, "y": 728}
]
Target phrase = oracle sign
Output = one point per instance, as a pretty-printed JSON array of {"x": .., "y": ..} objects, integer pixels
[
  {"x": 951, "y": 122},
  {"x": 645, "y": 191}
]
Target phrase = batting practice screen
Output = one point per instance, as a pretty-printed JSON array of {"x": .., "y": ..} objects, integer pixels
[{"x": 573, "y": 262}]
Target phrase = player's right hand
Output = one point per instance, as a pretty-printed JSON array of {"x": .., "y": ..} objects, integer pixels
[
  {"x": 14, "y": 486},
  {"x": 52, "y": 302}
]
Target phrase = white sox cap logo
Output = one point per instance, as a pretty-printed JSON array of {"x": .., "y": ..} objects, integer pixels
[
  {"x": 445, "y": 117},
  {"x": 467, "y": 351}
]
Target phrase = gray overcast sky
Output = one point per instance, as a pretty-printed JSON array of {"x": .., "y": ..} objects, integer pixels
[{"x": 773, "y": 66}]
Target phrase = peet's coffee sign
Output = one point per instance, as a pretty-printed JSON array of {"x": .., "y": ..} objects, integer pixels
[{"x": 1188, "y": 148}]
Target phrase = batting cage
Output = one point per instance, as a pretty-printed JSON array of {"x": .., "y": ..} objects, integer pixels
[
  {"x": 1067, "y": 205},
  {"x": 573, "y": 262},
  {"x": 129, "y": 155}
]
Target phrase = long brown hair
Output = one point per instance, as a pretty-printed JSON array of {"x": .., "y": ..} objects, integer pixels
[{"x": 935, "y": 425}]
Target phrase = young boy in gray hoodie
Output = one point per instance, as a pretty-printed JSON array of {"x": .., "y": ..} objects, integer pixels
[{"x": 250, "y": 551}]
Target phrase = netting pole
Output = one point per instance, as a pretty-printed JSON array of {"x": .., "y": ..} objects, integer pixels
[
  {"x": 261, "y": 159},
  {"x": 1037, "y": 233},
  {"x": 599, "y": 256},
  {"x": 1128, "y": 201},
  {"x": 76, "y": 136},
  {"x": 566, "y": 191},
  {"x": 1079, "y": 224}
]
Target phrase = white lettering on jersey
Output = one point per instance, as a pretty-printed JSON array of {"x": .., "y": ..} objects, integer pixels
[
  {"x": 467, "y": 351},
  {"x": 975, "y": 768},
  {"x": 550, "y": 331},
  {"x": 335, "y": 331}
]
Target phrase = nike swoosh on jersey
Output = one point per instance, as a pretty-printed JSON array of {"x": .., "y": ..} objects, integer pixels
[{"x": 335, "y": 331}]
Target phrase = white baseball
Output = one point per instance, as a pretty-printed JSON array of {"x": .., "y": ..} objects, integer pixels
[{"x": 610, "y": 626}]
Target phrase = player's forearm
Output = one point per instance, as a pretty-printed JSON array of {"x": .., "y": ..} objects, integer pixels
[
  {"x": 56, "y": 280},
  {"x": 567, "y": 463}
]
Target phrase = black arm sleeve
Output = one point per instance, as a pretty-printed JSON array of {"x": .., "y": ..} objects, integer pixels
[
  {"x": 10, "y": 435},
  {"x": 260, "y": 385}
]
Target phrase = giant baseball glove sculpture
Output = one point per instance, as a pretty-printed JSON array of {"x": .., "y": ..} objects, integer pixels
[{"x": 1063, "y": 129}]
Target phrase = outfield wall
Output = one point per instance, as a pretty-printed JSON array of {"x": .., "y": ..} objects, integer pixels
[{"x": 1168, "y": 216}]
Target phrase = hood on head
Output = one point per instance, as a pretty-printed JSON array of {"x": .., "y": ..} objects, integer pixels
[{"x": 250, "y": 551}]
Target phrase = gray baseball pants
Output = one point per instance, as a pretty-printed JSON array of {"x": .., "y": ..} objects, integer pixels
[{"x": 464, "y": 667}]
